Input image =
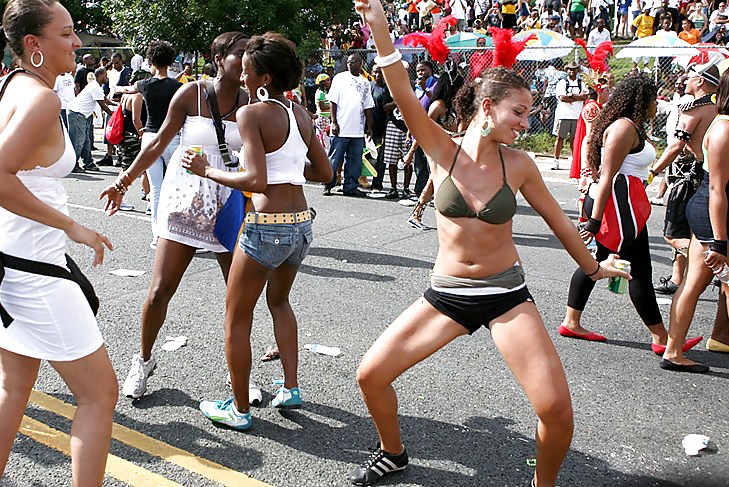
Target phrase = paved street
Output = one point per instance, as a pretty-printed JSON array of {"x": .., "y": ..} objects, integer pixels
[{"x": 465, "y": 420}]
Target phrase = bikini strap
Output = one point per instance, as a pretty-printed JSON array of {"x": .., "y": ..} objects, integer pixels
[
  {"x": 455, "y": 158},
  {"x": 503, "y": 166}
]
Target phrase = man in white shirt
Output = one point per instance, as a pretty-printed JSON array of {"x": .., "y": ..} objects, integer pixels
[
  {"x": 351, "y": 112},
  {"x": 79, "y": 111},
  {"x": 65, "y": 88},
  {"x": 458, "y": 10},
  {"x": 598, "y": 35},
  {"x": 571, "y": 95}
]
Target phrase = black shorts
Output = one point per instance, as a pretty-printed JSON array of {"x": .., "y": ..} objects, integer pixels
[
  {"x": 676, "y": 225},
  {"x": 473, "y": 312}
]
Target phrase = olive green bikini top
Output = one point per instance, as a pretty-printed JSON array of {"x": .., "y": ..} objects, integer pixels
[{"x": 500, "y": 208}]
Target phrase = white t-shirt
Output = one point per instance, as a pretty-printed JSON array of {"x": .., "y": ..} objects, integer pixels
[
  {"x": 596, "y": 38},
  {"x": 352, "y": 96},
  {"x": 65, "y": 88},
  {"x": 458, "y": 9},
  {"x": 569, "y": 110},
  {"x": 114, "y": 77},
  {"x": 85, "y": 102}
]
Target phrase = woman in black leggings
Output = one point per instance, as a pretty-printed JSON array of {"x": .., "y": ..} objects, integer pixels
[{"x": 618, "y": 207}]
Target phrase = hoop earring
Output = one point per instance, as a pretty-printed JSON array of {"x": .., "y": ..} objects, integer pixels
[
  {"x": 262, "y": 93},
  {"x": 32, "y": 61},
  {"x": 487, "y": 127}
]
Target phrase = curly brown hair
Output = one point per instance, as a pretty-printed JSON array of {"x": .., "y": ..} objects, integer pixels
[{"x": 629, "y": 99}]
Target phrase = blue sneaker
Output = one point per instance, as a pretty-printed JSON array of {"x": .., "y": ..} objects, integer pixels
[
  {"x": 288, "y": 398},
  {"x": 224, "y": 412}
]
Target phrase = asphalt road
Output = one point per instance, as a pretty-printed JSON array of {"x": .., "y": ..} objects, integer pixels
[{"x": 465, "y": 420}]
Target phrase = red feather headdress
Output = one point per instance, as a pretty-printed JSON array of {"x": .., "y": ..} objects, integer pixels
[
  {"x": 505, "y": 47},
  {"x": 434, "y": 42},
  {"x": 598, "y": 59}
]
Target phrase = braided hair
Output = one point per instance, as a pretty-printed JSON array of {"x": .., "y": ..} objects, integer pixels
[{"x": 629, "y": 99}]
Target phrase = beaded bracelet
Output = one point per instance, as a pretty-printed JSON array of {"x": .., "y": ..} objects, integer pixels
[{"x": 388, "y": 60}]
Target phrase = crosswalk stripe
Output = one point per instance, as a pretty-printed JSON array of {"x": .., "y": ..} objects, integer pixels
[
  {"x": 116, "y": 467},
  {"x": 201, "y": 466}
]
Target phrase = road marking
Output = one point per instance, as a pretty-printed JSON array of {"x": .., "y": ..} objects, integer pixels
[
  {"x": 116, "y": 467},
  {"x": 177, "y": 456},
  {"x": 120, "y": 213}
]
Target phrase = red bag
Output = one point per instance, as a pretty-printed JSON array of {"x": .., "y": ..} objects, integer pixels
[{"x": 114, "y": 131}]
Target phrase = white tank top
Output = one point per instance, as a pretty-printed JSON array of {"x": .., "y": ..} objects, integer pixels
[
  {"x": 638, "y": 164},
  {"x": 286, "y": 164}
]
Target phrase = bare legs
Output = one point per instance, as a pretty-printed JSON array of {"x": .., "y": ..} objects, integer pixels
[
  {"x": 93, "y": 383},
  {"x": 698, "y": 277},
  {"x": 171, "y": 260},
  {"x": 246, "y": 281},
  {"x": 720, "y": 332},
  {"x": 421, "y": 330}
]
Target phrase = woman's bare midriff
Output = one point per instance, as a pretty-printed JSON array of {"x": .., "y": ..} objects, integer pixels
[
  {"x": 280, "y": 198},
  {"x": 469, "y": 247}
]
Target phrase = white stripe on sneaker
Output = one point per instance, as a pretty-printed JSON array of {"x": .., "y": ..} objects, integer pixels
[{"x": 391, "y": 465}]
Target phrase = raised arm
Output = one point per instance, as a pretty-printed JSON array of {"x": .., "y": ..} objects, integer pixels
[{"x": 434, "y": 141}]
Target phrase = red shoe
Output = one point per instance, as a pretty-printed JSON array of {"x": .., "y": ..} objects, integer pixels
[
  {"x": 687, "y": 345},
  {"x": 592, "y": 337}
]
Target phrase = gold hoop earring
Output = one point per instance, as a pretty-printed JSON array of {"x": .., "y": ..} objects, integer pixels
[
  {"x": 487, "y": 127},
  {"x": 32, "y": 60}
]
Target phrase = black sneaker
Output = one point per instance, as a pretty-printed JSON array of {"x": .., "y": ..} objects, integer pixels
[
  {"x": 667, "y": 286},
  {"x": 378, "y": 465},
  {"x": 407, "y": 194},
  {"x": 78, "y": 169},
  {"x": 92, "y": 167},
  {"x": 105, "y": 161},
  {"x": 326, "y": 191},
  {"x": 393, "y": 194}
]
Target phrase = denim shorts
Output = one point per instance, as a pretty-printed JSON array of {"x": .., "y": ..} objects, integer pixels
[
  {"x": 273, "y": 245},
  {"x": 697, "y": 212}
]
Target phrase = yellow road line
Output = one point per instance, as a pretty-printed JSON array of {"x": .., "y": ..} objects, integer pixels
[
  {"x": 116, "y": 467},
  {"x": 193, "y": 463}
]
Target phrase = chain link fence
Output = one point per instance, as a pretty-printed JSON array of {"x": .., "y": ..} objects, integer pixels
[{"x": 542, "y": 75}]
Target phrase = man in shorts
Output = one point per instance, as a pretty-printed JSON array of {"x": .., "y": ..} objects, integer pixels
[
  {"x": 396, "y": 145},
  {"x": 571, "y": 95},
  {"x": 686, "y": 149}
]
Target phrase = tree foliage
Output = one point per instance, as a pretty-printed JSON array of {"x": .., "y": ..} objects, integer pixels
[
  {"x": 190, "y": 25},
  {"x": 89, "y": 16}
]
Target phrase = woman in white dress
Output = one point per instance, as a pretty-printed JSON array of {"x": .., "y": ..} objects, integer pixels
[
  {"x": 188, "y": 205},
  {"x": 46, "y": 318}
]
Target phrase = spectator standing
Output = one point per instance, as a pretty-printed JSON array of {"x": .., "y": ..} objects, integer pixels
[
  {"x": 481, "y": 59},
  {"x": 508, "y": 14},
  {"x": 81, "y": 78},
  {"x": 459, "y": 8},
  {"x": 598, "y": 35},
  {"x": 351, "y": 111},
  {"x": 643, "y": 27},
  {"x": 117, "y": 75},
  {"x": 576, "y": 9},
  {"x": 323, "y": 109},
  {"x": 65, "y": 89},
  {"x": 571, "y": 95},
  {"x": 380, "y": 114},
  {"x": 690, "y": 33},
  {"x": 481, "y": 9},
  {"x": 185, "y": 76},
  {"x": 493, "y": 19},
  {"x": 621, "y": 26},
  {"x": 80, "y": 123},
  {"x": 550, "y": 77},
  {"x": 698, "y": 17},
  {"x": 425, "y": 86}
]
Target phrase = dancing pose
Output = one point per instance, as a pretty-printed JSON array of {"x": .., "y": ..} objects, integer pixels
[
  {"x": 281, "y": 152},
  {"x": 188, "y": 205},
  {"x": 477, "y": 278},
  {"x": 44, "y": 317}
]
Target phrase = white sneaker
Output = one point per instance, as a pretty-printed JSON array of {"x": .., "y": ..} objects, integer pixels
[
  {"x": 656, "y": 201},
  {"x": 254, "y": 392},
  {"x": 135, "y": 384},
  {"x": 555, "y": 165}
]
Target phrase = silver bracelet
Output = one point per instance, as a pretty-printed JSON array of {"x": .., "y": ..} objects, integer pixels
[{"x": 388, "y": 60}]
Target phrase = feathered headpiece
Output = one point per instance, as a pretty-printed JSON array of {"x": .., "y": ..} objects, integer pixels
[
  {"x": 505, "y": 47},
  {"x": 597, "y": 61},
  {"x": 434, "y": 42}
]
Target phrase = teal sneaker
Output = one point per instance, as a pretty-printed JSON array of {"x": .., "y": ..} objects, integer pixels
[
  {"x": 288, "y": 398},
  {"x": 224, "y": 412}
]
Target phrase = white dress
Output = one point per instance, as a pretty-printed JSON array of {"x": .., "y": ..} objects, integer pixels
[
  {"x": 188, "y": 204},
  {"x": 52, "y": 319}
]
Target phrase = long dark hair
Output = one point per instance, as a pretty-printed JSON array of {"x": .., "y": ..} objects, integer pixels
[{"x": 629, "y": 99}]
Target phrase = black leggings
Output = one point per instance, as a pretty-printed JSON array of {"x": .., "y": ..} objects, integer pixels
[{"x": 641, "y": 289}]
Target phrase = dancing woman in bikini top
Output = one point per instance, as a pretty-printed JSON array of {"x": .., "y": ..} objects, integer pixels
[{"x": 477, "y": 279}]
